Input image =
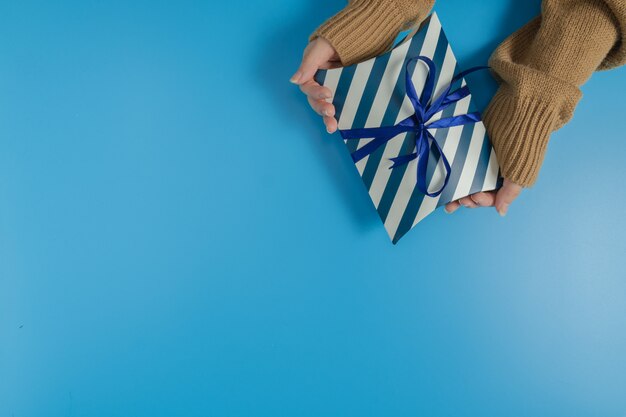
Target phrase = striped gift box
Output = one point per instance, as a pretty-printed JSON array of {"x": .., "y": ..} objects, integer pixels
[{"x": 373, "y": 94}]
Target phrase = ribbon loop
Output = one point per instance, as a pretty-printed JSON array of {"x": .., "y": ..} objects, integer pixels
[{"x": 425, "y": 108}]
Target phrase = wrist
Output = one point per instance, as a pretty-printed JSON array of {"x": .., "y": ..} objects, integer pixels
[
  {"x": 361, "y": 30},
  {"x": 519, "y": 128}
]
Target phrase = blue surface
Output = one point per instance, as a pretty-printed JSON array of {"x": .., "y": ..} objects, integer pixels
[{"x": 161, "y": 257}]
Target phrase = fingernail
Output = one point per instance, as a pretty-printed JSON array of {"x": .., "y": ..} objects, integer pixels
[
  {"x": 328, "y": 130},
  {"x": 446, "y": 210},
  {"x": 325, "y": 96},
  {"x": 295, "y": 78},
  {"x": 502, "y": 211},
  {"x": 325, "y": 112}
]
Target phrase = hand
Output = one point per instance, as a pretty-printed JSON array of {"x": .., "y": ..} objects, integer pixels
[
  {"x": 319, "y": 54},
  {"x": 501, "y": 199}
]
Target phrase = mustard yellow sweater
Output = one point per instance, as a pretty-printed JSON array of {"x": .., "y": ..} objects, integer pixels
[{"x": 540, "y": 67}]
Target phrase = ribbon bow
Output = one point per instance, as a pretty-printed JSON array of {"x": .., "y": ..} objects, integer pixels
[{"x": 425, "y": 109}]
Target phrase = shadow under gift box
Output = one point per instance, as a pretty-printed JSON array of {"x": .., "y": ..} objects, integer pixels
[{"x": 373, "y": 94}]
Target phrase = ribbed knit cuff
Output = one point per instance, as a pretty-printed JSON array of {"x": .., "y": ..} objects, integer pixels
[
  {"x": 519, "y": 128},
  {"x": 363, "y": 29}
]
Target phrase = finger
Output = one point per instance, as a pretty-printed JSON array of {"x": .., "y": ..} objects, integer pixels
[
  {"x": 330, "y": 64},
  {"x": 484, "y": 199},
  {"x": 331, "y": 124},
  {"x": 315, "y": 91},
  {"x": 452, "y": 207},
  {"x": 467, "y": 202},
  {"x": 506, "y": 195},
  {"x": 315, "y": 56},
  {"x": 322, "y": 107}
]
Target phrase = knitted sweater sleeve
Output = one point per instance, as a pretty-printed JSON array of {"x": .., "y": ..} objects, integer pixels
[
  {"x": 540, "y": 68},
  {"x": 366, "y": 28}
]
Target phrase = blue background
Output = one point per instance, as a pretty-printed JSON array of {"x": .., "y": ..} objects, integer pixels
[{"x": 180, "y": 237}]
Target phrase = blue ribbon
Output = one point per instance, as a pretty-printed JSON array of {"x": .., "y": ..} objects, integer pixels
[{"x": 424, "y": 110}]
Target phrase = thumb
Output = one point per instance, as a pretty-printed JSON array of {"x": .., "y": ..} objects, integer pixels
[
  {"x": 506, "y": 195},
  {"x": 316, "y": 54}
]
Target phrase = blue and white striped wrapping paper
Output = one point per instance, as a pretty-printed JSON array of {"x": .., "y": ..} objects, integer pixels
[{"x": 373, "y": 94}]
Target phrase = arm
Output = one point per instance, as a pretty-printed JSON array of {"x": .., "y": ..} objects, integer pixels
[
  {"x": 540, "y": 68},
  {"x": 367, "y": 28},
  {"x": 363, "y": 29}
]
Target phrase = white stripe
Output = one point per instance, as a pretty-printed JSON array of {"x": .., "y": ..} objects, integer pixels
[
  {"x": 491, "y": 179},
  {"x": 446, "y": 72},
  {"x": 332, "y": 80},
  {"x": 383, "y": 95},
  {"x": 408, "y": 183},
  {"x": 355, "y": 92},
  {"x": 392, "y": 148},
  {"x": 471, "y": 162},
  {"x": 387, "y": 85}
]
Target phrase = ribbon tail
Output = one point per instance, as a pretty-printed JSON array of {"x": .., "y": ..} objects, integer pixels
[
  {"x": 402, "y": 159},
  {"x": 446, "y": 98},
  {"x": 460, "y": 120},
  {"x": 467, "y": 72},
  {"x": 372, "y": 132},
  {"x": 454, "y": 96},
  {"x": 370, "y": 147}
]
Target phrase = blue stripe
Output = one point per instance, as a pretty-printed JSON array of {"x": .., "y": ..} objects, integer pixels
[
  {"x": 408, "y": 146},
  {"x": 500, "y": 179},
  {"x": 457, "y": 165},
  {"x": 440, "y": 55},
  {"x": 393, "y": 108},
  {"x": 365, "y": 106},
  {"x": 320, "y": 76},
  {"x": 481, "y": 169},
  {"x": 345, "y": 79},
  {"x": 417, "y": 197}
]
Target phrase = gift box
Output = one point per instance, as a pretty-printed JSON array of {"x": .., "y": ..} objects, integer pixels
[{"x": 411, "y": 127}]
